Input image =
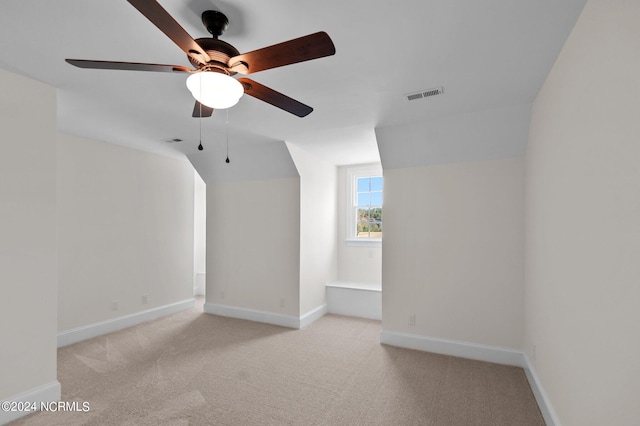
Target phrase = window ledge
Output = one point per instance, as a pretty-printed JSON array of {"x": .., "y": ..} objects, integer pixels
[{"x": 373, "y": 242}]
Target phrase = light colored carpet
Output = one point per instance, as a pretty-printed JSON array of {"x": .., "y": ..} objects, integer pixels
[{"x": 198, "y": 369}]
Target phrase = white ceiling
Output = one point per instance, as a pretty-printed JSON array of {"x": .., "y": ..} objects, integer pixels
[{"x": 486, "y": 54}]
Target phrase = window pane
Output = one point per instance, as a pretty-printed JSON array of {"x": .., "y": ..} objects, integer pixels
[
  {"x": 363, "y": 215},
  {"x": 363, "y": 199},
  {"x": 376, "y": 183},
  {"x": 375, "y": 230},
  {"x": 363, "y": 230},
  {"x": 376, "y": 198},
  {"x": 367, "y": 193},
  {"x": 375, "y": 215},
  {"x": 363, "y": 184}
]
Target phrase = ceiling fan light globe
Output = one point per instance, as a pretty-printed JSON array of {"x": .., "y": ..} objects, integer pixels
[{"x": 215, "y": 90}]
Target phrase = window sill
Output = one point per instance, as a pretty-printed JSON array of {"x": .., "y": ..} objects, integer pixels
[{"x": 373, "y": 242}]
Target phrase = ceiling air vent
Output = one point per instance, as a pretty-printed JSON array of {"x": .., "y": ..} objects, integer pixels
[{"x": 424, "y": 93}]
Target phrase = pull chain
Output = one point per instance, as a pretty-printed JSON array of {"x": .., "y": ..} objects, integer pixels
[
  {"x": 200, "y": 147},
  {"x": 227, "y": 160}
]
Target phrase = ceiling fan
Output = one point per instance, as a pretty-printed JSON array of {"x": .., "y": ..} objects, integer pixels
[{"x": 215, "y": 62}]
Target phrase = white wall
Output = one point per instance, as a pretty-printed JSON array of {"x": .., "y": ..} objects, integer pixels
[
  {"x": 583, "y": 227},
  {"x": 27, "y": 237},
  {"x": 253, "y": 245},
  {"x": 125, "y": 229},
  {"x": 318, "y": 221},
  {"x": 252, "y": 158},
  {"x": 356, "y": 264},
  {"x": 199, "y": 234},
  {"x": 453, "y": 251},
  {"x": 458, "y": 138}
]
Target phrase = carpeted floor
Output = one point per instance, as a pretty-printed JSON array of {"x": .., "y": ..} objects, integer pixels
[{"x": 198, "y": 369}]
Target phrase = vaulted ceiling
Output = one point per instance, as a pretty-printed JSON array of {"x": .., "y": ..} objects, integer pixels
[{"x": 487, "y": 55}]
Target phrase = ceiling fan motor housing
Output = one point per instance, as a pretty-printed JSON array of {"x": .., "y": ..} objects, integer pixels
[{"x": 219, "y": 51}]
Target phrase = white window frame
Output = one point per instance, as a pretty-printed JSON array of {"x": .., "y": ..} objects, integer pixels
[{"x": 353, "y": 173}]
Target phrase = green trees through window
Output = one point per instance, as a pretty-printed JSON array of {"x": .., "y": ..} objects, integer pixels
[{"x": 369, "y": 207}]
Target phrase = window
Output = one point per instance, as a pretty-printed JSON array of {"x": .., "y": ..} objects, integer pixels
[{"x": 364, "y": 206}]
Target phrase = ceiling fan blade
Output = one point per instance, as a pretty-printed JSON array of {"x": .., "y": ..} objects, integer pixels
[
  {"x": 155, "y": 13},
  {"x": 201, "y": 111},
  {"x": 312, "y": 46},
  {"x": 274, "y": 98},
  {"x": 129, "y": 66}
]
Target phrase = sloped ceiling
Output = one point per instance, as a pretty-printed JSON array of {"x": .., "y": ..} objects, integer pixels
[{"x": 487, "y": 55}]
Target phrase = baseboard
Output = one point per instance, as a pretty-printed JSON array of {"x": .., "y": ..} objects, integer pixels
[
  {"x": 313, "y": 315},
  {"x": 49, "y": 392},
  {"x": 289, "y": 321},
  {"x": 79, "y": 334},
  {"x": 549, "y": 414},
  {"x": 495, "y": 354}
]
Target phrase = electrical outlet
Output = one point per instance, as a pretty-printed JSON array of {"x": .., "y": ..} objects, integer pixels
[
  {"x": 282, "y": 302},
  {"x": 222, "y": 295},
  {"x": 145, "y": 299},
  {"x": 115, "y": 306},
  {"x": 412, "y": 319}
]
